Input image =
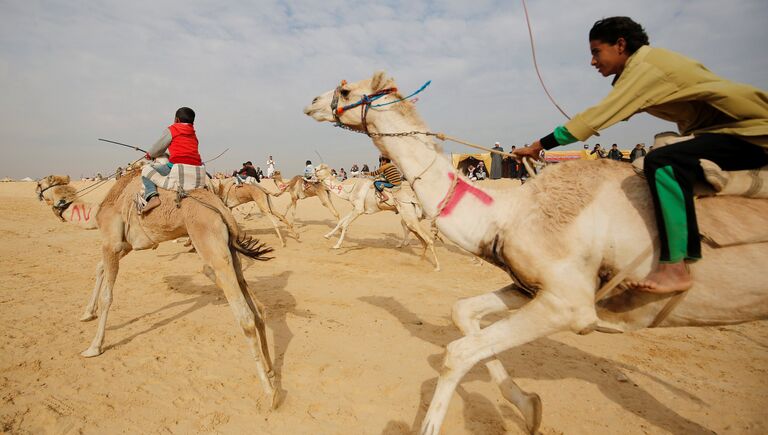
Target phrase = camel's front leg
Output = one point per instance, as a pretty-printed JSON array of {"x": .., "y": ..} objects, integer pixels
[
  {"x": 111, "y": 264},
  {"x": 541, "y": 317},
  {"x": 347, "y": 222},
  {"x": 273, "y": 219},
  {"x": 90, "y": 309},
  {"x": 467, "y": 314},
  {"x": 339, "y": 225}
]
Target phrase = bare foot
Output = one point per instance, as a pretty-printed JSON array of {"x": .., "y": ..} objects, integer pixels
[{"x": 666, "y": 278}]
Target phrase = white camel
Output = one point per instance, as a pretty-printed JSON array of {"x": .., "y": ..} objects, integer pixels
[
  {"x": 558, "y": 236},
  {"x": 361, "y": 194}
]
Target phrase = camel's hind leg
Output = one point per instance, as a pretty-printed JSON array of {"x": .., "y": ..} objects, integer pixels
[
  {"x": 467, "y": 314},
  {"x": 406, "y": 234},
  {"x": 90, "y": 309},
  {"x": 545, "y": 315},
  {"x": 111, "y": 265},
  {"x": 410, "y": 221},
  {"x": 212, "y": 245}
]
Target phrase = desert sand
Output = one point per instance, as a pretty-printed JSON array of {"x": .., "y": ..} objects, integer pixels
[{"x": 357, "y": 334}]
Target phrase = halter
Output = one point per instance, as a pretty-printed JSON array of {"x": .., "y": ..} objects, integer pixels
[
  {"x": 40, "y": 193},
  {"x": 364, "y": 101}
]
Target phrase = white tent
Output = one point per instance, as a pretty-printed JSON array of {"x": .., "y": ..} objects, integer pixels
[{"x": 26, "y": 179}]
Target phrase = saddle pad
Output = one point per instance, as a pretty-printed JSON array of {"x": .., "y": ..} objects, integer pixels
[
  {"x": 732, "y": 220},
  {"x": 186, "y": 177}
]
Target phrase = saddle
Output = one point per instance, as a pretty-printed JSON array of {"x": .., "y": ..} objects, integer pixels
[{"x": 181, "y": 179}]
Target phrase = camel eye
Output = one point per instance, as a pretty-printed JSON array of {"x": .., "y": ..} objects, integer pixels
[{"x": 344, "y": 93}]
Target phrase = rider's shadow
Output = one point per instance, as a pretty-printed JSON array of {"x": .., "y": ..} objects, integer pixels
[{"x": 543, "y": 359}]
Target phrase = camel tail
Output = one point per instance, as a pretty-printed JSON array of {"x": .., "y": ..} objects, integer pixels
[{"x": 251, "y": 248}]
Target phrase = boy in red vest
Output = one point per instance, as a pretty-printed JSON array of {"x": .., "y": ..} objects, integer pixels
[{"x": 181, "y": 142}]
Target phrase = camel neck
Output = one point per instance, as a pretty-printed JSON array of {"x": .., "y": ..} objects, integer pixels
[
  {"x": 466, "y": 216},
  {"x": 81, "y": 213}
]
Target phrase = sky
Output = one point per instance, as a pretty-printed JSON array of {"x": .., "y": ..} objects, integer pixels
[{"x": 75, "y": 71}]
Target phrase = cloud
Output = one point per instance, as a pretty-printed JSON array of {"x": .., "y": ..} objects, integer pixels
[{"x": 76, "y": 71}]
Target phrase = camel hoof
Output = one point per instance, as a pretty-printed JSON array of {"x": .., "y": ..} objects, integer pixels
[
  {"x": 532, "y": 413},
  {"x": 327, "y": 236},
  {"x": 275, "y": 400},
  {"x": 335, "y": 247},
  {"x": 87, "y": 317},
  {"x": 91, "y": 352}
]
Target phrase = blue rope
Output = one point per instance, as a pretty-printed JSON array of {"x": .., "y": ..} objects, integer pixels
[{"x": 405, "y": 98}]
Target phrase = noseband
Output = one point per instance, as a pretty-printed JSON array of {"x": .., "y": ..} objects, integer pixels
[{"x": 40, "y": 193}]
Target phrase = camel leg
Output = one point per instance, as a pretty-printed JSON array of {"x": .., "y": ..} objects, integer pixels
[
  {"x": 545, "y": 315},
  {"x": 406, "y": 234},
  {"x": 90, "y": 309},
  {"x": 338, "y": 225},
  {"x": 111, "y": 264},
  {"x": 211, "y": 244},
  {"x": 467, "y": 314},
  {"x": 350, "y": 218},
  {"x": 412, "y": 223},
  {"x": 277, "y": 229}
]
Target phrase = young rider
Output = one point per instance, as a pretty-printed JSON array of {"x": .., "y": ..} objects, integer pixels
[
  {"x": 729, "y": 122},
  {"x": 390, "y": 175}
]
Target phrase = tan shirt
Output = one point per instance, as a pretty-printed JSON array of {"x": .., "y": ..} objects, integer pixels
[{"x": 678, "y": 89}]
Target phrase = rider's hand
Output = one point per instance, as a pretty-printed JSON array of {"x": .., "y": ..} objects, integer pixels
[
  {"x": 533, "y": 151},
  {"x": 147, "y": 156}
]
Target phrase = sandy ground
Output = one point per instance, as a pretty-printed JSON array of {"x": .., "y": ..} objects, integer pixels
[{"x": 357, "y": 334}]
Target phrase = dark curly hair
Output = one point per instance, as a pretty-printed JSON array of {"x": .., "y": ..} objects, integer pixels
[{"x": 609, "y": 30}]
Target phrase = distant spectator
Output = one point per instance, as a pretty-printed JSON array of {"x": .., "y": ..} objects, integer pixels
[
  {"x": 270, "y": 167},
  {"x": 637, "y": 151},
  {"x": 342, "y": 175},
  {"x": 597, "y": 152},
  {"x": 480, "y": 172},
  {"x": 496, "y": 162},
  {"x": 614, "y": 153},
  {"x": 365, "y": 168},
  {"x": 471, "y": 172},
  {"x": 354, "y": 171}
]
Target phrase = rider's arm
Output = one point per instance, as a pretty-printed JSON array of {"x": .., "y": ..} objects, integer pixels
[{"x": 159, "y": 147}]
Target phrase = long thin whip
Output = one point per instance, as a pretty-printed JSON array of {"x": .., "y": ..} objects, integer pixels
[{"x": 536, "y": 64}]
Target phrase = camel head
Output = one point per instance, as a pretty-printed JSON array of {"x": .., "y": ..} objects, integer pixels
[
  {"x": 45, "y": 184},
  {"x": 322, "y": 171},
  {"x": 348, "y": 93}
]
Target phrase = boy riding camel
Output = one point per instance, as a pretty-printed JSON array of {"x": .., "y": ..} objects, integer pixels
[
  {"x": 390, "y": 177},
  {"x": 181, "y": 142},
  {"x": 728, "y": 121}
]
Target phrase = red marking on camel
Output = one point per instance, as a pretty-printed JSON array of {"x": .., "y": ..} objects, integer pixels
[
  {"x": 462, "y": 188},
  {"x": 83, "y": 213}
]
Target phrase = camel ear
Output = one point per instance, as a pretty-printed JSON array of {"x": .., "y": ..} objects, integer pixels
[
  {"x": 379, "y": 81},
  {"x": 66, "y": 179}
]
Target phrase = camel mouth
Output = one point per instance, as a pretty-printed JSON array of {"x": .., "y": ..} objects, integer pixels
[{"x": 317, "y": 114}]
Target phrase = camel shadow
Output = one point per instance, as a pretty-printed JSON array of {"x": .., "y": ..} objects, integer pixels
[
  {"x": 543, "y": 359},
  {"x": 203, "y": 295},
  {"x": 325, "y": 222}
]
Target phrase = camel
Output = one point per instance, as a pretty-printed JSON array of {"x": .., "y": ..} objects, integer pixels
[
  {"x": 298, "y": 188},
  {"x": 361, "y": 194},
  {"x": 213, "y": 232},
  {"x": 56, "y": 191},
  {"x": 236, "y": 195},
  {"x": 558, "y": 236}
]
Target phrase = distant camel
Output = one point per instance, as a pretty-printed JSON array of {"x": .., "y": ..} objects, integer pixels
[
  {"x": 558, "y": 237},
  {"x": 234, "y": 195},
  {"x": 360, "y": 193},
  {"x": 214, "y": 233},
  {"x": 299, "y": 188}
]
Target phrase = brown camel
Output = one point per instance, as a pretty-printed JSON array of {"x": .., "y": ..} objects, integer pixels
[
  {"x": 298, "y": 188},
  {"x": 214, "y": 233},
  {"x": 56, "y": 191},
  {"x": 234, "y": 195}
]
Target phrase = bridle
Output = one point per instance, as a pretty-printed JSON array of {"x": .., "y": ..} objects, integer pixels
[
  {"x": 364, "y": 101},
  {"x": 40, "y": 190}
]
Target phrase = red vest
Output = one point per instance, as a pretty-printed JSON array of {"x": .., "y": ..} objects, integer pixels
[{"x": 183, "y": 147}]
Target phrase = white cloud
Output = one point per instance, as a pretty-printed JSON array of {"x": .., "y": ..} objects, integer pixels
[{"x": 72, "y": 72}]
